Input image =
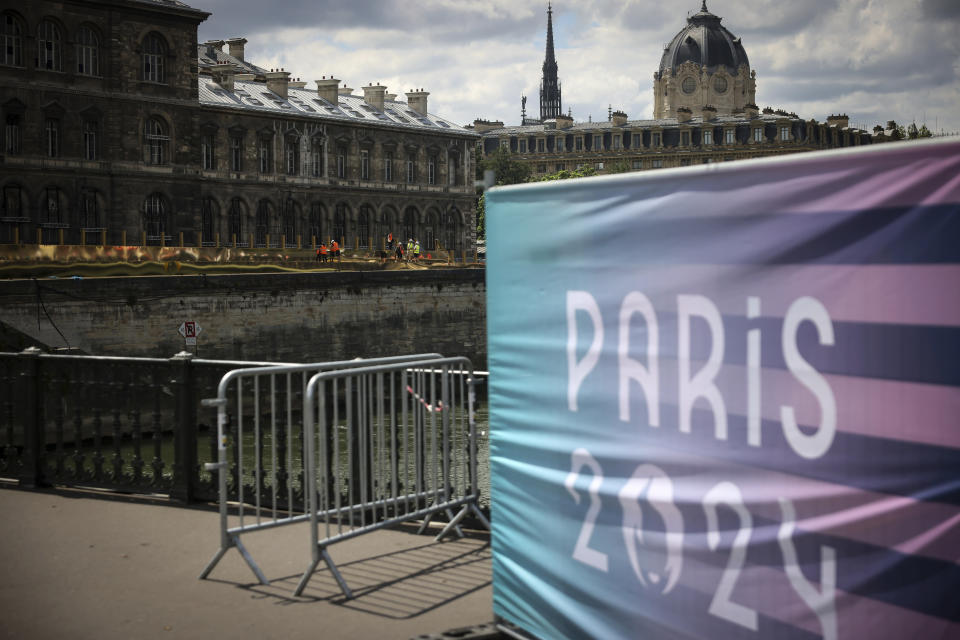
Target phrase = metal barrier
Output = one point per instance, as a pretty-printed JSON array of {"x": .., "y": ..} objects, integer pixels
[
  {"x": 406, "y": 449},
  {"x": 260, "y": 449}
]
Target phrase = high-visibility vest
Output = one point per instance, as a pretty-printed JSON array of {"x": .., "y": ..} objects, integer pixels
[
  {"x": 322, "y": 250},
  {"x": 416, "y": 248},
  {"x": 335, "y": 247}
]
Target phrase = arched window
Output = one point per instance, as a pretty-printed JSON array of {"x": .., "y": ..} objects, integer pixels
[
  {"x": 262, "y": 228},
  {"x": 235, "y": 221},
  {"x": 89, "y": 211},
  {"x": 155, "y": 217},
  {"x": 292, "y": 154},
  {"x": 49, "y": 47},
  {"x": 208, "y": 221},
  {"x": 409, "y": 223},
  {"x": 363, "y": 225},
  {"x": 154, "y": 52},
  {"x": 451, "y": 232},
  {"x": 157, "y": 140},
  {"x": 429, "y": 232},
  {"x": 340, "y": 223},
  {"x": 289, "y": 222},
  {"x": 88, "y": 52},
  {"x": 316, "y": 222},
  {"x": 12, "y": 42}
]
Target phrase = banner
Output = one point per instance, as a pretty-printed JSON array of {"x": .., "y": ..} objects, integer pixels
[{"x": 725, "y": 400}]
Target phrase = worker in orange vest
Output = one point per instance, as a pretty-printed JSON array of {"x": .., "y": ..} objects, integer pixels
[
  {"x": 322, "y": 252},
  {"x": 335, "y": 249}
]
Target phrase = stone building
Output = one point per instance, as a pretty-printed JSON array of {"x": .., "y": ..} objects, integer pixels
[
  {"x": 117, "y": 123},
  {"x": 704, "y": 112}
]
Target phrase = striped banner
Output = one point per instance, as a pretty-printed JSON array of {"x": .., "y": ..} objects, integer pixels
[{"x": 725, "y": 400}]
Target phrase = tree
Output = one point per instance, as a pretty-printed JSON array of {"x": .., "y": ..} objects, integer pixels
[
  {"x": 482, "y": 217},
  {"x": 582, "y": 172},
  {"x": 620, "y": 166},
  {"x": 506, "y": 166},
  {"x": 897, "y": 132}
]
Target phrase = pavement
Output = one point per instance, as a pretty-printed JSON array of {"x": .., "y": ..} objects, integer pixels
[{"x": 74, "y": 565}]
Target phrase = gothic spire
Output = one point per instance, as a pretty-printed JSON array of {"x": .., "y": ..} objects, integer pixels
[{"x": 550, "y": 104}]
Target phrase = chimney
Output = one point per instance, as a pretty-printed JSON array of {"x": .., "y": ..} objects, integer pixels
[
  {"x": 752, "y": 110},
  {"x": 345, "y": 90},
  {"x": 564, "y": 122},
  {"x": 482, "y": 126},
  {"x": 684, "y": 114},
  {"x": 391, "y": 97},
  {"x": 212, "y": 46},
  {"x": 619, "y": 118},
  {"x": 223, "y": 74},
  {"x": 236, "y": 47},
  {"x": 708, "y": 113},
  {"x": 417, "y": 100},
  {"x": 278, "y": 81},
  {"x": 841, "y": 121},
  {"x": 297, "y": 84},
  {"x": 374, "y": 95},
  {"x": 327, "y": 89}
]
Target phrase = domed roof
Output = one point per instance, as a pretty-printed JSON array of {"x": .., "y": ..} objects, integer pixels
[{"x": 705, "y": 42}]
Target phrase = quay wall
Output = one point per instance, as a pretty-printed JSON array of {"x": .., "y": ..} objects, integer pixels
[{"x": 301, "y": 317}]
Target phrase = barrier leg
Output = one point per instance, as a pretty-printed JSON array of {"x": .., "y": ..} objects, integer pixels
[
  {"x": 336, "y": 574},
  {"x": 250, "y": 563},
  {"x": 306, "y": 575},
  {"x": 213, "y": 562},
  {"x": 454, "y": 524}
]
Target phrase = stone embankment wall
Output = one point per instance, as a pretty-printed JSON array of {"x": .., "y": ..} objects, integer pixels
[{"x": 308, "y": 317}]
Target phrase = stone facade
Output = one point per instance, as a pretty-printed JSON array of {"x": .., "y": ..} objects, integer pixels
[{"x": 111, "y": 124}]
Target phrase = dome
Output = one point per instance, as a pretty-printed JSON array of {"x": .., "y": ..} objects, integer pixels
[{"x": 706, "y": 43}]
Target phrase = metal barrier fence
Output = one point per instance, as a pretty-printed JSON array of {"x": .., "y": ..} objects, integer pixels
[
  {"x": 405, "y": 450},
  {"x": 263, "y": 453}
]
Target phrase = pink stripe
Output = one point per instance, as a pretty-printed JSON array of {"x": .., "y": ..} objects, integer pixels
[
  {"x": 888, "y": 409},
  {"x": 890, "y": 294}
]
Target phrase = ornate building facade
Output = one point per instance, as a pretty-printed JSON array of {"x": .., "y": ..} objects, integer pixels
[
  {"x": 117, "y": 123},
  {"x": 704, "y": 112}
]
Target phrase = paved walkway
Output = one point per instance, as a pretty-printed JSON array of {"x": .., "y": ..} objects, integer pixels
[{"x": 74, "y": 566}]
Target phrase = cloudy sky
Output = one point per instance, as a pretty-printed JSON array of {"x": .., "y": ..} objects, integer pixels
[{"x": 875, "y": 60}]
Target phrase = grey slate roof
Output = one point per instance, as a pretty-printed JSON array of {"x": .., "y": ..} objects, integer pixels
[
  {"x": 205, "y": 60},
  {"x": 255, "y": 97},
  {"x": 172, "y": 4}
]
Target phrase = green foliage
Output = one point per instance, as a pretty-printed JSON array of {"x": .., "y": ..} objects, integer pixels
[
  {"x": 482, "y": 216},
  {"x": 897, "y": 132},
  {"x": 620, "y": 166},
  {"x": 506, "y": 166},
  {"x": 582, "y": 172}
]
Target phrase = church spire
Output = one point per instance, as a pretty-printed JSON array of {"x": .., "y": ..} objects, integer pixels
[{"x": 550, "y": 105}]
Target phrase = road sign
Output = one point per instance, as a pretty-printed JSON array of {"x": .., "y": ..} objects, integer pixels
[{"x": 190, "y": 330}]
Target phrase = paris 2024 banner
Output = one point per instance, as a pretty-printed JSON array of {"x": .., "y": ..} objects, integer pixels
[{"x": 725, "y": 401}]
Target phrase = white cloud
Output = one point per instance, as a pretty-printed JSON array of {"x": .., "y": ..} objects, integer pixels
[{"x": 875, "y": 60}]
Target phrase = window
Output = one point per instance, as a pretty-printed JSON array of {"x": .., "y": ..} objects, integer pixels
[
  {"x": 637, "y": 164},
  {"x": 235, "y": 220},
  {"x": 598, "y": 166},
  {"x": 52, "y": 136},
  {"x": 13, "y": 133},
  {"x": 364, "y": 164},
  {"x": 341, "y": 162},
  {"x": 89, "y": 211},
  {"x": 785, "y": 134},
  {"x": 340, "y": 223},
  {"x": 293, "y": 156},
  {"x": 685, "y": 138},
  {"x": 49, "y": 47},
  {"x": 411, "y": 169},
  {"x": 236, "y": 152},
  {"x": 505, "y": 144},
  {"x": 542, "y": 167},
  {"x": 598, "y": 143},
  {"x": 617, "y": 143},
  {"x": 685, "y": 162},
  {"x": 522, "y": 145},
  {"x": 655, "y": 139},
  {"x": 52, "y": 211},
  {"x": 154, "y": 217},
  {"x": 90, "y": 131},
  {"x": 207, "y": 219},
  {"x": 154, "y": 51},
  {"x": 261, "y": 227},
  {"x": 316, "y": 158},
  {"x": 636, "y": 141},
  {"x": 88, "y": 52},
  {"x": 316, "y": 216},
  {"x": 363, "y": 226},
  {"x": 12, "y": 202},
  {"x": 207, "y": 151},
  {"x": 707, "y": 136},
  {"x": 558, "y": 144},
  {"x": 578, "y": 143},
  {"x": 265, "y": 153},
  {"x": 432, "y": 170},
  {"x": 558, "y": 167},
  {"x": 758, "y": 134},
  {"x": 541, "y": 146},
  {"x": 729, "y": 136},
  {"x": 388, "y": 167},
  {"x": 656, "y": 163},
  {"x": 156, "y": 141},
  {"x": 289, "y": 222},
  {"x": 12, "y": 42},
  {"x": 452, "y": 178}
]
